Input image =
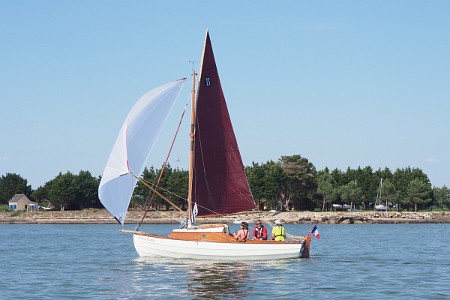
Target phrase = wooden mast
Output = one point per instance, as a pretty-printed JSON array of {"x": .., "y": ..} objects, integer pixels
[{"x": 191, "y": 151}]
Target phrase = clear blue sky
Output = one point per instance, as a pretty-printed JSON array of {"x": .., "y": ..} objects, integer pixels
[{"x": 342, "y": 83}]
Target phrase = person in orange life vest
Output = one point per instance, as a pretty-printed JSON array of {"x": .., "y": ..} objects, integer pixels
[
  {"x": 259, "y": 232},
  {"x": 243, "y": 234}
]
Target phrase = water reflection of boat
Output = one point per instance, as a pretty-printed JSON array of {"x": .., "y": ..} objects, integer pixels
[
  {"x": 218, "y": 280},
  {"x": 198, "y": 279}
]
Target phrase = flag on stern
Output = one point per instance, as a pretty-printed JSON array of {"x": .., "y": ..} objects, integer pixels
[{"x": 315, "y": 231}]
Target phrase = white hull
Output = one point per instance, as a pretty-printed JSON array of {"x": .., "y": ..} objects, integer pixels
[{"x": 160, "y": 246}]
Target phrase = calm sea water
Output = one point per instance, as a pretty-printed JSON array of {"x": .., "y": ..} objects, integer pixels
[{"x": 407, "y": 261}]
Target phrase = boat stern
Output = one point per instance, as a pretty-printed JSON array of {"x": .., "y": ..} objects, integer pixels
[{"x": 304, "y": 249}]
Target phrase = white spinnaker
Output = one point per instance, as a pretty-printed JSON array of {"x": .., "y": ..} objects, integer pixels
[{"x": 133, "y": 145}]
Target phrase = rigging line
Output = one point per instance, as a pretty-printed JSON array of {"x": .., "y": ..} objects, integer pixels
[
  {"x": 210, "y": 198},
  {"x": 223, "y": 215},
  {"x": 216, "y": 213},
  {"x": 161, "y": 173},
  {"x": 165, "y": 190},
  {"x": 204, "y": 167},
  {"x": 156, "y": 192},
  {"x": 219, "y": 214},
  {"x": 156, "y": 185}
]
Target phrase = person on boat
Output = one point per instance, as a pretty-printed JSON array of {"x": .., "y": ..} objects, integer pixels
[
  {"x": 278, "y": 232},
  {"x": 260, "y": 231},
  {"x": 243, "y": 234}
]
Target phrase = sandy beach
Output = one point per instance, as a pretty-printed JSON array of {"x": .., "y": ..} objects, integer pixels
[{"x": 101, "y": 216}]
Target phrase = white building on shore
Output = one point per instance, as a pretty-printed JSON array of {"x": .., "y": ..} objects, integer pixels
[{"x": 21, "y": 202}]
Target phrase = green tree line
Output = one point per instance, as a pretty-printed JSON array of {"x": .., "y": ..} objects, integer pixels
[
  {"x": 290, "y": 183},
  {"x": 65, "y": 191}
]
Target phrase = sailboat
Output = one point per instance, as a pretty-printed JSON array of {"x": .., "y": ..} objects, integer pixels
[
  {"x": 217, "y": 181},
  {"x": 379, "y": 205}
]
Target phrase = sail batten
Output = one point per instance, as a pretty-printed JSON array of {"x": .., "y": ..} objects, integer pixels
[
  {"x": 220, "y": 184},
  {"x": 133, "y": 145}
]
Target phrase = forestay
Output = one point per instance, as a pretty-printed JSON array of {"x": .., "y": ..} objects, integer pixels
[{"x": 133, "y": 145}]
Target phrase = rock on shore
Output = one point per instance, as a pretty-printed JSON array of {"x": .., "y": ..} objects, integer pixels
[{"x": 101, "y": 216}]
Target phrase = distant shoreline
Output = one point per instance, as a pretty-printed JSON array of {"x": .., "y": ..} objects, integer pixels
[{"x": 101, "y": 216}]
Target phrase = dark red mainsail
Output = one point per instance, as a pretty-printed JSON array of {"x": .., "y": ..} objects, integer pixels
[{"x": 220, "y": 185}]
